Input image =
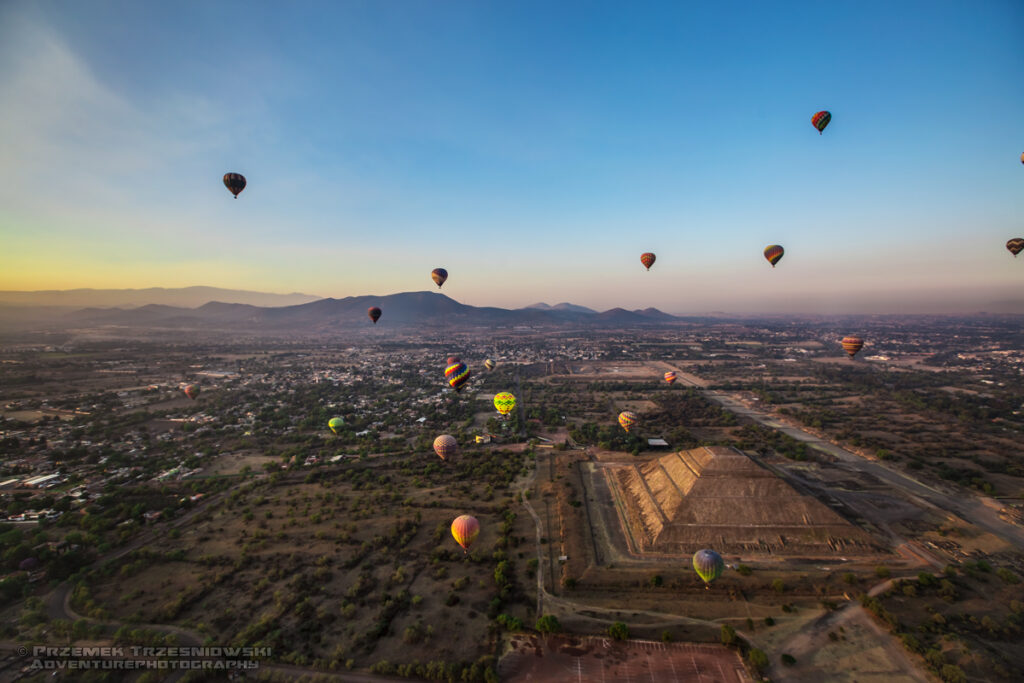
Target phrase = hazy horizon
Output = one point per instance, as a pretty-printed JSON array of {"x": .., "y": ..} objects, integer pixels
[{"x": 532, "y": 150}]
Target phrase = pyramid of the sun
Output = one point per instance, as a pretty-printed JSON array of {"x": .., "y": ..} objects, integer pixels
[{"x": 716, "y": 497}]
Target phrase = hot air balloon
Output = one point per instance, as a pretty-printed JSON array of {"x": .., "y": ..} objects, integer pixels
[
  {"x": 627, "y": 419},
  {"x": 820, "y": 120},
  {"x": 335, "y": 423},
  {"x": 439, "y": 275},
  {"x": 709, "y": 565},
  {"x": 773, "y": 252},
  {"x": 457, "y": 374},
  {"x": 452, "y": 360},
  {"x": 670, "y": 377},
  {"x": 465, "y": 529},
  {"x": 489, "y": 364},
  {"x": 445, "y": 445},
  {"x": 374, "y": 314},
  {"x": 504, "y": 402},
  {"x": 647, "y": 259},
  {"x": 852, "y": 345},
  {"x": 1016, "y": 245},
  {"x": 1022, "y": 158},
  {"x": 192, "y": 390},
  {"x": 235, "y": 182}
]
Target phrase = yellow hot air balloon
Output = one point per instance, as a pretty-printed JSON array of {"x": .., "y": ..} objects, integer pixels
[
  {"x": 465, "y": 529},
  {"x": 504, "y": 402}
]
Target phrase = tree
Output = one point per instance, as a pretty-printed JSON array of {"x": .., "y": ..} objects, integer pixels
[
  {"x": 758, "y": 659},
  {"x": 618, "y": 631},
  {"x": 728, "y": 635},
  {"x": 548, "y": 624}
]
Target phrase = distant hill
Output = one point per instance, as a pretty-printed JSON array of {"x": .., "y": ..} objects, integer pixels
[
  {"x": 563, "y": 307},
  {"x": 187, "y": 297},
  {"x": 423, "y": 309}
]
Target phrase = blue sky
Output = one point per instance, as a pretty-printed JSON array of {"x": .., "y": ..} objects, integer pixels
[{"x": 533, "y": 149}]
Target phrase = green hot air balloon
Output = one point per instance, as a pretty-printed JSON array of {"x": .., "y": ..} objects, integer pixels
[
  {"x": 709, "y": 565},
  {"x": 335, "y": 424}
]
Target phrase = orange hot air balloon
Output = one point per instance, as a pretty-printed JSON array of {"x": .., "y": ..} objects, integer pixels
[
  {"x": 374, "y": 314},
  {"x": 465, "y": 529},
  {"x": 773, "y": 252},
  {"x": 852, "y": 345},
  {"x": 627, "y": 419},
  {"x": 439, "y": 275},
  {"x": 452, "y": 360},
  {"x": 670, "y": 377},
  {"x": 235, "y": 182},
  {"x": 192, "y": 390},
  {"x": 445, "y": 445},
  {"x": 820, "y": 120},
  {"x": 647, "y": 259}
]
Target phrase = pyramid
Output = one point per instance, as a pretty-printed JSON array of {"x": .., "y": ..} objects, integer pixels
[{"x": 717, "y": 497}]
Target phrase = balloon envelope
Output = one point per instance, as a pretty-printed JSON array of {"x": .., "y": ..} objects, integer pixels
[
  {"x": 709, "y": 565},
  {"x": 335, "y": 423},
  {"x": 489, "y": 364},
  {"x": 647, "y": 259},
  {"x": 192, "y": 390},
  {"x": 445, "y": 445},
  {"x": 773, "y": 252},
  {"x": 852, "y": 345},
  {"x": 374, "y": 314},
  {"x": 1016, "y": 245},
  {"x": 670, "y": 377},
  {"x": 439, "y": 275},
  {"x": 464, "y": 530},
  {"x": 504, "y": 402},
  {"x": 457, "y": 374},
  {"x": 235, "y": 182},
  {"x": 820, "y": 120},
  {"x": 627, "y": 419}
]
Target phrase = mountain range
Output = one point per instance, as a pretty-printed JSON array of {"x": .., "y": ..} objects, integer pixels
[
  {"x": 324, "y": 315},
  {"x": 188, "y": 297}
]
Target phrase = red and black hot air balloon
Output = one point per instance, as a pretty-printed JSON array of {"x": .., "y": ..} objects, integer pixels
[
  {"x": 374, "y": 314},
  {"x": 773, "y": 252},
  {"x": 647, "y": 258},
  {"x": 235, "y": 182}
]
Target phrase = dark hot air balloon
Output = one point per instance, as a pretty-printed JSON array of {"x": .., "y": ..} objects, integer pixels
[
  {"x": 439, "y": 275},
  {"x": 647, "y": 259},
  {"x": 709, "y": 565},
  {"x": 1016, "y": 245},
  {"x": 374, "y": 314},
  {"x": 820, "y": 120},
  {"x": 235, "y": 182},
  {"x": 773, "y": 252}
]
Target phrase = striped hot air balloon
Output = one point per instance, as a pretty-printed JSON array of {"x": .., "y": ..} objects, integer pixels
[
  {"x": 192, "y": 390},
  {"x": 465, "y": 529},
  {"x": 489, "y": 364},
  {"x": 708, "y": 564},
  {"x": 374, "y": 314},
  {"x": 235, "y": 182},
  {"x": 335, "y": 423},
  {"x": 439, "y": 275},
  {"x": 647, "y": 258},
  {"x": 670, "y": 377},
  {"x": 773, "y": 252},
  {"x": 820, "y": 120},
  {"x": 627, "y": 419},
  {"x": 445, "y": 445},
  {"x": 852, "y": 345},
  {"x": 457, "y": 374},
  {"x": 1016, "y": 245},
  {"x": 504, "y": 402}
]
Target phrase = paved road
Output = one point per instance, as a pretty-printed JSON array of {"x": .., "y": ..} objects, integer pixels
[{"x": 961, "y": 502}]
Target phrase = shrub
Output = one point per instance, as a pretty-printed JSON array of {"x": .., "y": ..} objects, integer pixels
[
  {"x": 618, "y": 631},
  {"x": 788, "y": 659},
  {"x": 548, "y": 624}
]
